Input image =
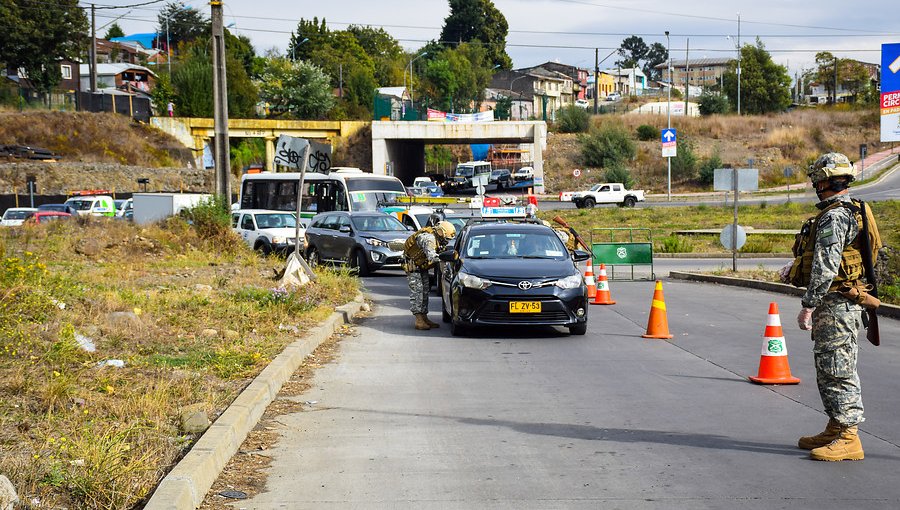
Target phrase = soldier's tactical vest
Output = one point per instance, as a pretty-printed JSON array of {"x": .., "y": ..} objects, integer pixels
[
  {"x": 851, "y": 269},
  {"x": 414, "y": 252}
]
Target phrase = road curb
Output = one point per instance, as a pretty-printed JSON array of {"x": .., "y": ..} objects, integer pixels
[
  {"x": 885, "y": 310},
  {"x": 188, "y": 482}
]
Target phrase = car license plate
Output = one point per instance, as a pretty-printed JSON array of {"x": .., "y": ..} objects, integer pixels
[{"x": 524, "y": 307}]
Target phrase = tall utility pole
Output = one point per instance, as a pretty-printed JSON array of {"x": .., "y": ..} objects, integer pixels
[
  {"x": 834, "y": 95},
  {"x": 596, "y": 79},
  {"x": 220, "y": 104},
  {"x": 669, "y": 113},
  {"x": 739, "y": 65},
  {"x": 687, "y": 75},
  {"x": 93, "y": 49}
]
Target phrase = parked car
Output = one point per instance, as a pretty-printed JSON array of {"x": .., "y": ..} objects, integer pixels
[
  {"x": 266, "y": 231},
  {"x": 66, "y": 208},
  {"x": 607, "y": 193},
  {"x": 93, "y": 205},
  {"x": 415, "y": 216},
  {"x": 582, "y": 103},
  {"x": 123, "y": 207},
  {"x": 14, "y": 216},
  {"x": 42, "y": 217},
  {"x": 500, "y": 177},
  {"x": 512, "y": 274},
  {"x": 357, "y": 239},
  {"x": 613, "y": 96}
]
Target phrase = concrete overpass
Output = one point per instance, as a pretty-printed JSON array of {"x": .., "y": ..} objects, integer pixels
[
  {"x": 398, "y": 147},
  {"x": 199, "y": 132}
]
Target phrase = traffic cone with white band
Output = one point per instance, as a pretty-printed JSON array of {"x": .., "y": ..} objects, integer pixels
[
  {"x": 773, "y": 363},
  {"x": 589, "y": 280},
  {"x": 603, "y": 297}
]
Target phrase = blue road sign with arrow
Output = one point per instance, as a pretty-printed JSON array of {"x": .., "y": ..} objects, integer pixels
[{"x": 669, "y": 143}]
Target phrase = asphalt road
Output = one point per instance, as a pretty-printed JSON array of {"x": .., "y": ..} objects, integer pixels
[{"x": 532, "y": 418}]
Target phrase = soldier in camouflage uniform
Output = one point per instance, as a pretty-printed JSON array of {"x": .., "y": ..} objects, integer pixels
[
  {"x": 420, "y": 255},
  {"x": 828, "y": 261}
]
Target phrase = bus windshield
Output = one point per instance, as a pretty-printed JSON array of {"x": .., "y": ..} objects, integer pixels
[
  {"x": 372, "y": 200},
  {"x": 366, "y": 184}
]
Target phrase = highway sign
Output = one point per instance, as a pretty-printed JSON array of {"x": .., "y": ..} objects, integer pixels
[
  {"x": 890, "y": 92},
  {"x": 576, "y": 172},
  {"x": 669, "y": 143}
]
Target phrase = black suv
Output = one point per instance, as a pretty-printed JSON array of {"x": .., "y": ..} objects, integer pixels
[
  {"x": 358, "y": 239},
  {"x": 500, "y": 177},
  {"x": 512, "y": 274}
]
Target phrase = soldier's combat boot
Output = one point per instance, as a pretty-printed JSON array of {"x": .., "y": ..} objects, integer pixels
[
  {"x": 431, "y": 323},
  {"x": 421, "y": 322},
  {"x": 824, "y": 438},
  {"x": 845, "y": 447}
]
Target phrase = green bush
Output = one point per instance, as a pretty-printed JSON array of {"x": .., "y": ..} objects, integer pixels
[
  {"x": 619, "y": 173},
  {"x": 684, "y": 164},
  {"x": 708, "y": 168},
  {"x": 675, "y": 244},
  {"x": 211, "y": 219},
  {"x": 606, "y": 146},
  {"x": 711, "y": 103},
  {"x": 572, "y": 119},
  {"x": 646, "y": 133}
]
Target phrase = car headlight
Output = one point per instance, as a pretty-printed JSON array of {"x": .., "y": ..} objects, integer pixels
[
  {"x": 473, "y": 282},
  {"x": 278, "y": 240},
  {"x": 376, "y": 242},
  {"x": 569, "y": 282}
]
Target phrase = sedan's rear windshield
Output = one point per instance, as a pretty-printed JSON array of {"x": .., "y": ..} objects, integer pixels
[
  {"x": 514, "y": 245},
  {"x": 17, "y": 215}
]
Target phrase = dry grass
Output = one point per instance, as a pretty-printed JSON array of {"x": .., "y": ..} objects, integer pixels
[
  {"x": 93, "y": 137},
  {"x": 192, "y": 318},
  {"x": 773, "y": 142}
]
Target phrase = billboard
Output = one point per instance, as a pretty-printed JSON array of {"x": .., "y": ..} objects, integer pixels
[{"x": 890, "y": 92}]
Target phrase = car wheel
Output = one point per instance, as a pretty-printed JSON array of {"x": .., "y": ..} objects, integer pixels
[
  {"x": 589, "y": 202},
  {"x": 264, "y": 248},
  {"x": 578, "y": 204},
  {"x": 359, "y": 262},
  {"x": 578, "y": 328},
  {"x": 312, "y": 256},
  {"x": 629, "y": 201}
]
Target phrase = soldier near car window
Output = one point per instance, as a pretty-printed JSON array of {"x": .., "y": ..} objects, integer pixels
[
  {"x": 829, "y": 259},
  {"x": 420, "y": 255}
]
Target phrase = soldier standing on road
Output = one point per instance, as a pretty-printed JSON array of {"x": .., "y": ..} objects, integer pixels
[
  {"x": 420, "y": 255},
  {"x": 828, "y": 263}
]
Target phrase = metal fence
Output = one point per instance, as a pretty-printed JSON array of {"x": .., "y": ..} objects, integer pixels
[{"x": 138, "y": 108}]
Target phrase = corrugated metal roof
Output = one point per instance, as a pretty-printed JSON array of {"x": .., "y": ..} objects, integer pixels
[{"x": 697, "y": 62}]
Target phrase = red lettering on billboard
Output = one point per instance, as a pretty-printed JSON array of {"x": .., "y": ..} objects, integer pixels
[{"x": 890, "y": 99}]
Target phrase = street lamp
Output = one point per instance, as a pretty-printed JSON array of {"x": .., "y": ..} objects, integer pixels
[
  {"x": 417, "y": 57},
  {"x": 669, "y": 113},
  {"x": 520, "y": 95},
  {"x": 739, "y": 64},
  {"x": 294, "y": 48}
]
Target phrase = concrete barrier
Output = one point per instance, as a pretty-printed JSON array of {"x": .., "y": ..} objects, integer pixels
[{"x": 188, "y": 482}]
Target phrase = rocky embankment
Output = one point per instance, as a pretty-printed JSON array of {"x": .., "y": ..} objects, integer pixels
[{"x": 63, "y": 177}]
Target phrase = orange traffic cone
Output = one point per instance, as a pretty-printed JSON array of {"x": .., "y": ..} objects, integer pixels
[
  {"x": 589, "y": 280},
  {"x": 602, "y": 297},
  {"x": 658, "y": 325},
  {"x": 773, "y": 363}
]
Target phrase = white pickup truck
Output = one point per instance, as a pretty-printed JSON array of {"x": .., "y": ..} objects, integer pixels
[{"x": 607, "y": 193}]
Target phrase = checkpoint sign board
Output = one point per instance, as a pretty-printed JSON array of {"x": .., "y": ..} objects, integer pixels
[
  {"x": 669, "y": 145},
  {"x": 890, "y": 92}
]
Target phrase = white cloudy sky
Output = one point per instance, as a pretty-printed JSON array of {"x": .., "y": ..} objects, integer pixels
[{"x": 569, "y": 30}]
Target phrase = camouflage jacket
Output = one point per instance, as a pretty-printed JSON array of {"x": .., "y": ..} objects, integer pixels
[{"x": 836, "y": 229}]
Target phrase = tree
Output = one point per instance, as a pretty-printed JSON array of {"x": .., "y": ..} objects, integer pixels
[
  {"x": 114, "y": 31},
  {"x": 37, "y": 35},
  {"x": 711, "y": 103},
  {"x": 606, "y": 146},
  {"x": 478, "y": 22},
  {"x": 295, "y": 89},
  {"x": 633, "y": 50},
  {"x": 572, "y": 119},
  {"x": 455, "y": 80},
  {"x": 825, "y": 62},
  {"x": 386, "y": 53},
  {"x": 503, "y": 108},
  {"x": 657, "y": 54},
  {"x": 192, "y": 81},
  {"x": 765, "y": 85},
  {"x": 179, "y": 23},
  {"x": 162, "y": 93},
  {"x": 854, "y": 77},
  {"x": 684, "y": 164}
]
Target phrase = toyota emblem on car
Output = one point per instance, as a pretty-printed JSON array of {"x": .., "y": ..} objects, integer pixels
[{"x": 525, "y": 285}]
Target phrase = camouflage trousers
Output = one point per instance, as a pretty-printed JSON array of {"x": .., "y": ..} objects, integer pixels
[
  {"x": 835, "y": 328},
  {"x": 419, "y": 287}
]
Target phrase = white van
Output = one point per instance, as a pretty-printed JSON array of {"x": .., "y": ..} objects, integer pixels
[{"x": 93, "y": 205}]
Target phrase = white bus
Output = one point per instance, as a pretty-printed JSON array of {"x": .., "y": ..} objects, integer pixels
[
  {"x": 344, "y": 189},
  {"x": 469, "y": 175}
]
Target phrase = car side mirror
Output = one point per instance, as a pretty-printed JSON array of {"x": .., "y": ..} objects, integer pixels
[
  {"x": 345, "y": 229},
  {"x": 580, "y": 255},
  {"x": 448, "y": 255}
]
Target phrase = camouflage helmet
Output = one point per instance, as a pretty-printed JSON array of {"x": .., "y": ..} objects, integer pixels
[
  {"x": 833, "y": 164},
  {"x": 445, "y": 229}
]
